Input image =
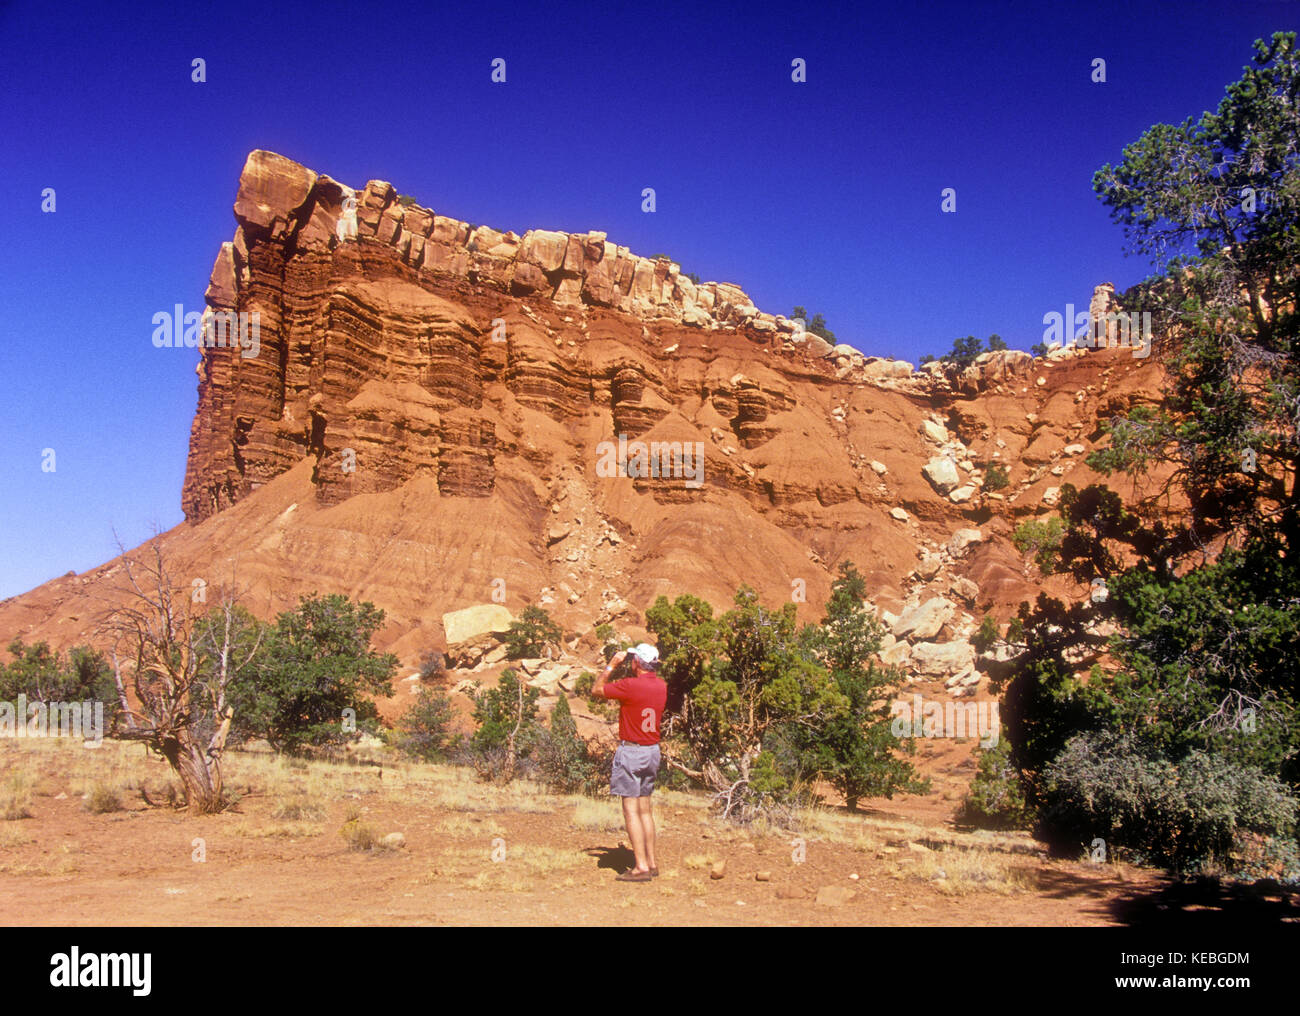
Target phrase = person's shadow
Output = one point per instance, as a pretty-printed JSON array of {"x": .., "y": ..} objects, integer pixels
[{"x": 617, "y": 859}]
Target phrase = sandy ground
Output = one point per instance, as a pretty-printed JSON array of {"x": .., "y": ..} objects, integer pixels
[{"x": 481, "y": 855}]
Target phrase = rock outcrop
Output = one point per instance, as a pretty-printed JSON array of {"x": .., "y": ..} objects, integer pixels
[{"x": 435, "y": 415}]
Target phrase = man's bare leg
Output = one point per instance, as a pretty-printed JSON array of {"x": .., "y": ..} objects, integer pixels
[
  {"x": 647, "y": 829},
  {"x": 632, "y": 818}
]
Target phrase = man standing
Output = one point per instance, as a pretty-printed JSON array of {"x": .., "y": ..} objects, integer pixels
[{"x": 636, "y": 762}]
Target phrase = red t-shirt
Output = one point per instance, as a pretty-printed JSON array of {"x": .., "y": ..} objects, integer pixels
[{"x": 643, "y": 698}]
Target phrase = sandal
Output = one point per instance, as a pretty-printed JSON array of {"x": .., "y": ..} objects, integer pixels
[{"x": 634, "y": 876}]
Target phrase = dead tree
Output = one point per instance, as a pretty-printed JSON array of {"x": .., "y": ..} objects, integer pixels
[{"x": 182, "y": 666}]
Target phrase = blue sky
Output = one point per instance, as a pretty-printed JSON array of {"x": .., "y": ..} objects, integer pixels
[{"x": 825, "y": 194}]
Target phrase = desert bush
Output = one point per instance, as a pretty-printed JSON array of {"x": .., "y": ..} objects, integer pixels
[
  {"x": 432, "y": 664},
  {"x": 42, "y": 674},
  {"x": 315, "y": 663},
  {"x": 1185, "y": 815},
  {"x": 996, "y": 478},
  {"x": 531, "y": 634},
  {"x": 815, "y": 323},
  {"x": 565, "y": 762},
  {"x": 103, "y": 799},
  {"x": 358, "y": 835},
  {"x": 996, "y": 799},
  {"x": 758, "y": 706},
  {"x": 507, "y": 730},
  {"x": 1042, "y": 539},
  {"x": 425, "y": 730}
]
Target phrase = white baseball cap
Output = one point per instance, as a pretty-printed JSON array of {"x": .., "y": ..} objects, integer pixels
[{"x": 647, "y": 654}]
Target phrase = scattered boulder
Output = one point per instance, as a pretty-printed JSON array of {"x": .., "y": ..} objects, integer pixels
[
  {"x": 924, "y": 620},
  {"x": 942, "y": 659},
  {"x": 929, "y": 566},
  {"x": 941, "y": 471},
  {"x": 936, "y": 432},
  {"x": 474, "y": 622},
  {"x": 965, "y": 589},
  {"x": 962, "y": 539},
  {"x": 896, "y": 655}
]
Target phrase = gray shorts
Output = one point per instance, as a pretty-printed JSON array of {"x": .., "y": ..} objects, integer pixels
[{"x": 634, "y": 770}]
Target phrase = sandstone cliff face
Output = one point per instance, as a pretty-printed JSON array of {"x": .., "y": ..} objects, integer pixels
[
  {"x": 429, "y": 417},
  {"x": 383, "y": 326}
]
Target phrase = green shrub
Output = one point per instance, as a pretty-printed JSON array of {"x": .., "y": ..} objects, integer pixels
[
  {"x": 508, "y": 729},
  {"x": 996, "y": 478},
  {"x": 996, "y": 799},
  {"x": 506, "y": 711},
  {"x": 531, "y": 634},
  {"x": 987, "y": 635},
  {"x": 583, "y": 685},
  {"x": 425, "y": 730},
  {"x": 565, "y": 762},
  {"x": 815, "y": 323},
  {"x": 1188, "y": 815},
  {"x": 45, "y": 675},
  {"x": 315, "y": 676},
  {"x": 1042, "y": 539}
]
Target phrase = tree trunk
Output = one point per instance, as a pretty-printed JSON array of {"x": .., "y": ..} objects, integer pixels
[{"x": 199, "y": 769}]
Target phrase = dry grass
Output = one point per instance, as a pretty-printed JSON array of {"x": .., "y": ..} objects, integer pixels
[
  {"x": 16, "y": 796},
  {"x": 600, "y": 816},
  {"x": 958, "y": 872},
  {"x": 60, "y": 861},
  {"x": 463, "y": 792},
  {"x": 103, "y": 798},
  {"x": 299, "y": 809},
  {"x": 14, "y": 836},
  {"x": 359, "y": 836},
  {"x": 289, "y": 830},
  {"x": 520, "y": 870},
  {"x": 463, "y": 827}
]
